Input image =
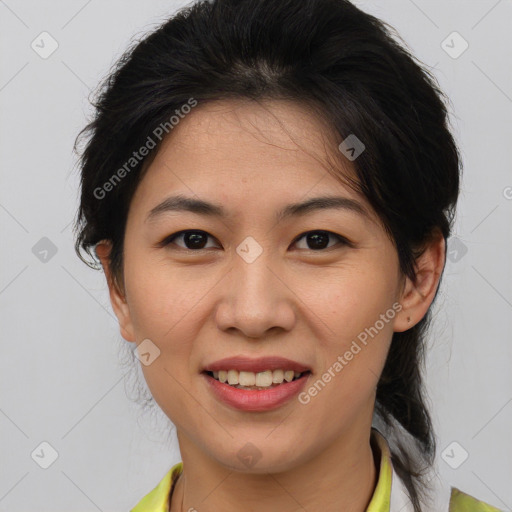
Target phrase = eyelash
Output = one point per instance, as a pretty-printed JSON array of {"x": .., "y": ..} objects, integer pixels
[{"x": 170, "y": 239}]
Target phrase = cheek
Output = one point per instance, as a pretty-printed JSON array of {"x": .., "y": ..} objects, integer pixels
[
  {"x": 352, "y": 352},
  {"x": 159, "y": 297},
  {"x": 162, "y": 309},
  {"x": 167, "y": 305},
  {"x": 350, "y": 300},
  {"x": 356, "y": 308}
]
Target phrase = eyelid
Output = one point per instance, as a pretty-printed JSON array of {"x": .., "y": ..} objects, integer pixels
[
  {"x": 170, "y": 239},
  {"x": 342, "y": 239}
]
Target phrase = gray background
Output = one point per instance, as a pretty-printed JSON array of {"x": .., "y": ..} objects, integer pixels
[{"x": 61, "y": 379}]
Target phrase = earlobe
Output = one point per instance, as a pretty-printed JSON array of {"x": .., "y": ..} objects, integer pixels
[
  {"x": 417, "y": 296},
  {"x": 117, "y": 297}
]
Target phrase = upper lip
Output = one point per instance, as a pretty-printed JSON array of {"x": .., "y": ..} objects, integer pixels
[{"x": 248, "y": 364}]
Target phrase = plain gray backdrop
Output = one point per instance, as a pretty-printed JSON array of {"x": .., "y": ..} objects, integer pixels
[{"x": 63, "y": 401}]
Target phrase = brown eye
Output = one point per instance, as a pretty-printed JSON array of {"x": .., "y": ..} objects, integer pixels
[
  {"x": 319, "y": 239},
  {"x": 192, "y": 239},
  {"x": 196, "y": 240}
]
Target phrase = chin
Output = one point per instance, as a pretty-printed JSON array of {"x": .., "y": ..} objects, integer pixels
[{"x": 252, "y": 457}]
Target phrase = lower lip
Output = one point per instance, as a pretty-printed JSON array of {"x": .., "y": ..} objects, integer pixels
[{"x": 256, "y": 400}]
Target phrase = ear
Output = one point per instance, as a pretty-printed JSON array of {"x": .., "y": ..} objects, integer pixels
[
  {"x": 117, "y": 297},
  {"x": 417, "y": 296}
]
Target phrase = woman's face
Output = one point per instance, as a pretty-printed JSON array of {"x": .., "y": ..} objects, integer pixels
[{"x": 255, "y": 284}]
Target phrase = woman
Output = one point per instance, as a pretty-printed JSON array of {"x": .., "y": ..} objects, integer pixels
[{"x": 269, "y": 186}]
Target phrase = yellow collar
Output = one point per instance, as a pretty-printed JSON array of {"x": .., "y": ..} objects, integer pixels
[
  {"x": 158, "y": 499},
  {"x": 381, "y": 498}
]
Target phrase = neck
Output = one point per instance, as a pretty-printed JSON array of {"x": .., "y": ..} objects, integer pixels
[{"x": 342, "y": 477}]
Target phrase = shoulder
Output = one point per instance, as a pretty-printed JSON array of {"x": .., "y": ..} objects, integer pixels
[
  {"x": 462, "y": 502},
  {"x": 443, "y": 497},
  {"x": 157, "y": 500},
  {"x": 449, "y": 499}
]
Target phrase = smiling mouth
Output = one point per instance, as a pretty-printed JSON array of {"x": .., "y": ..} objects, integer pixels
[{"x": 260, "y": 381}]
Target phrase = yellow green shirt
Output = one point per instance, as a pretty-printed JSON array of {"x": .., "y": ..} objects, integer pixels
[{"x": 389, "y": 494}]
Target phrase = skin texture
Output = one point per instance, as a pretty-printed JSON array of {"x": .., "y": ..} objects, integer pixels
[{"x": 292, "y": 301}]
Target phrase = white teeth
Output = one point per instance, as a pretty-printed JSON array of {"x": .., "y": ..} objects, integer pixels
[
  {"x": 246, "y": 379},
  {"x": 250, "y": 379},
  {"x": 264, "y": 379},
  {"x": 233, "y": 377},
  {"x": 277, "y": 376},
  {"x": 288, "y": 375}
]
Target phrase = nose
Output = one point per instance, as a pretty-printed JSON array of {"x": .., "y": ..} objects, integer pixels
[{"x": 255, "y": 300}]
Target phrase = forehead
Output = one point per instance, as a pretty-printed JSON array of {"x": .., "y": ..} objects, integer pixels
[
  {"x": 239, "y": 152},
  {"x": 280, "y": 124}
]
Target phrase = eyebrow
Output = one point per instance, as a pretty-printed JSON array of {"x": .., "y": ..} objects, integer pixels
[{"x": 200, "y": 207}]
